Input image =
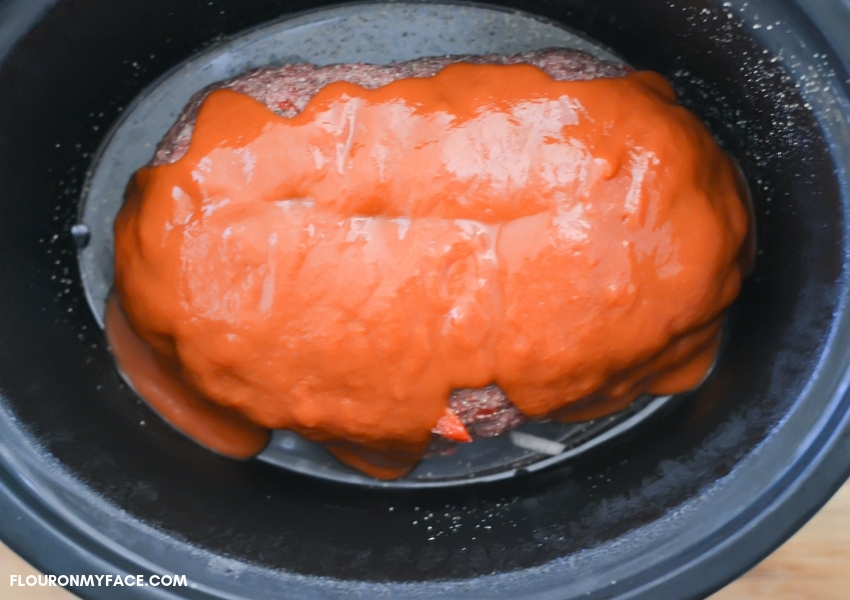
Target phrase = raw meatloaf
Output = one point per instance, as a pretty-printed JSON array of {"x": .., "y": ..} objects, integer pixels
[{"x": 286, "y": 89}]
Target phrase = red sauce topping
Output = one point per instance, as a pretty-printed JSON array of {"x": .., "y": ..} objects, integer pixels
[{"x": 338, "y": 273}]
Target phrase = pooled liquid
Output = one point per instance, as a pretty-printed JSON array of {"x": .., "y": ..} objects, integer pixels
[{"x": 340, "y": 272}]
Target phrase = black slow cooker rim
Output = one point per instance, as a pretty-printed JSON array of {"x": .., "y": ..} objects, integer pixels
[
  {"x": 57, "y": 541},
  {"x": 44, "y": 536}
]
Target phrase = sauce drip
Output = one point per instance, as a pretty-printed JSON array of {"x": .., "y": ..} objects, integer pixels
[
  {"x": 218, "y": 428},
  {"x": 338, "y": 273}
]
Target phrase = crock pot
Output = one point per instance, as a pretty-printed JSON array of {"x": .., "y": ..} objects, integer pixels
[{"x": 92, "y": 482}]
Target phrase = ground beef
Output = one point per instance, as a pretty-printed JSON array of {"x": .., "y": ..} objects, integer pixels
[{"x": 286, "y": 89}]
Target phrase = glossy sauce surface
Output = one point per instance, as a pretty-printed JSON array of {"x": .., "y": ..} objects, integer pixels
[{"x": 340, "y": 272}]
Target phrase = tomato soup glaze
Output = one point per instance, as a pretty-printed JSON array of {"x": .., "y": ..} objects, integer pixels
[{"x": 340, "y": 272}]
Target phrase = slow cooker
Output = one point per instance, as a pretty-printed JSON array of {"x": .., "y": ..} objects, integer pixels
[{"x": 93, "y": 482}]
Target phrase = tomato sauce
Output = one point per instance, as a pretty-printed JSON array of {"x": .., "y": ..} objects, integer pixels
[{"x": 340, "y": 272}]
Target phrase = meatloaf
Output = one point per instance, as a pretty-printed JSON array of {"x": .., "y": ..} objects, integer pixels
[{"x": 383, "y": 257}]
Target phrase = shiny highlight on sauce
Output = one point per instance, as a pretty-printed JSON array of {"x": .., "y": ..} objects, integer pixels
[{"x": 340, "y": 272}]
